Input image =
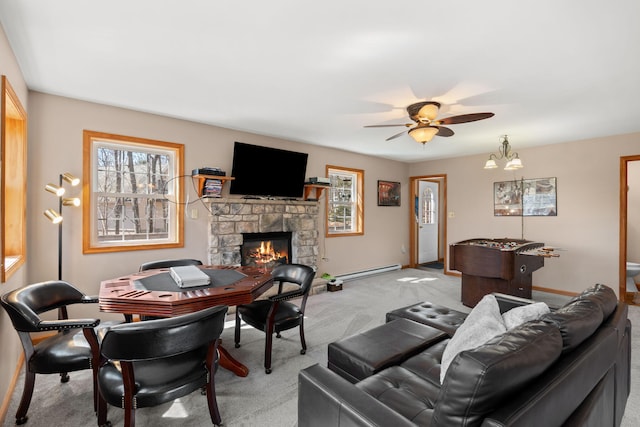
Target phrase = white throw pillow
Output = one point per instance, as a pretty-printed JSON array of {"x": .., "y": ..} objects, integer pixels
[
  {"x": 482, "y": 323},
  {"x": 519, "y": 315}
]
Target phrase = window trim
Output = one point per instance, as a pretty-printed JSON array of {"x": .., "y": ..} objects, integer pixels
[
  {"x": 89, "y": 245},
  {"x": 359, "y": 203},
  {"x": 13, "y": 181}
]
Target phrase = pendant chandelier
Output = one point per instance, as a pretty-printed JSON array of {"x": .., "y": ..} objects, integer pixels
[{"x": 504, "y": 152}]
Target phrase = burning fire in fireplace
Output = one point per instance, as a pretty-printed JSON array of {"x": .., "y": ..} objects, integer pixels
[{"x": 265, "y": 252}]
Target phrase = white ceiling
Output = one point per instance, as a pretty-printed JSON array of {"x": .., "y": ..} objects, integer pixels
[{"x": 316, "y": 72}]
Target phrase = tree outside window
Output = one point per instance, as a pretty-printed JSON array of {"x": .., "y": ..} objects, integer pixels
[
  {"x": 345, "y": 202},
  {"x": 135, "y": 193}
]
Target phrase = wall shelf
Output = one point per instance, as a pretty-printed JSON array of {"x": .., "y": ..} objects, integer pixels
[
  {"x": 315, "y": 190},
  {"x": 200, "y": 179}
]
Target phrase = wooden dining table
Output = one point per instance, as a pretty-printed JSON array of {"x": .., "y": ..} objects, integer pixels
[{"x": 154, "y": 293}]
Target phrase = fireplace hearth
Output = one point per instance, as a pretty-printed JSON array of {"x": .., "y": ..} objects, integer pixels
[{"x": 265, "y": 250}]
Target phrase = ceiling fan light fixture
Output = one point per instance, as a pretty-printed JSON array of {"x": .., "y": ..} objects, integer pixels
[
  {"x": 429, "y": 111},
  {"x": 423, "y": 134}
]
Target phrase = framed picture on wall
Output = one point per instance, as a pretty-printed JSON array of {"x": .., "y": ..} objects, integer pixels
[
  {"x": 507, "y": 198},
  {"x": 388, "y": 193},
  {"x": 525, "y": 197},
  {"x": 539, "y": 197}
]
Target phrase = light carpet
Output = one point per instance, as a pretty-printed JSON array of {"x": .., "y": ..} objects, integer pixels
[{"x": 271, "y": 400}]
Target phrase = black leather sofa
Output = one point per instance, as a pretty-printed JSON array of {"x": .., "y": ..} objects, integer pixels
[{"x": 571, "y": 367}]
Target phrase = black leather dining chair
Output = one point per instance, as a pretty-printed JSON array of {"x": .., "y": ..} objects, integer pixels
[
  {"x": 144, "y": 364},
  {"x": 65, "y": 351},
  {"x": 166, "y": 263},
  {"x": 276, "y": 313}
]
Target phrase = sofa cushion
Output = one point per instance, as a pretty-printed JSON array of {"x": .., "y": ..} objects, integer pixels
[
  {"x": 577, "y": 321},
  {"x": 404, "y": 392},
  {"x": 602, "y": 295},
  {"x": 431, "y": 314},
  {"x": 519, "y": 315},
  {"x": 361, "y": 355},
  {"x": 483, "y": 323},
  {"x": 426, "y": 364},
  {"x": 478, "y": 380}
]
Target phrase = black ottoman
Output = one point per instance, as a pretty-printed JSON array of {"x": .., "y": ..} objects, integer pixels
[
  {"x": 439, "y": 317},
  {"x": 362, "y": 355}
]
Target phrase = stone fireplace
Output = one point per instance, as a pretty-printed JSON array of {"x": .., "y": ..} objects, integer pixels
[{"x": 230, "y": 220}]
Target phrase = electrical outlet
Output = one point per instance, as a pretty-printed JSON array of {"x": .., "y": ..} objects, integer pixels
[
  {"x": 194, "y": 213},
  {"x": 452, "y": 214}
]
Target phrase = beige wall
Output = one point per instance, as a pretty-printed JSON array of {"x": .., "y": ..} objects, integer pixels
[
  {"x": 10, "y": 348},
  {"x": 56, "y": 126},
  {"x": 587, "y": 224}
]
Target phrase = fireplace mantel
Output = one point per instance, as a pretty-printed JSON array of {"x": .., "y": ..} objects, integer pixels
[{"x": 230, "y": 217}]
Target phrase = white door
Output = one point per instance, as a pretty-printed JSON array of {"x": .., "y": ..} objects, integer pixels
[{"x": 427, "y": 219}]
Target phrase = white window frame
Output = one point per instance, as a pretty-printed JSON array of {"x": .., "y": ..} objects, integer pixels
[
  {"x": 92, "y": 243},
  {"x": 352, "y": 197}
]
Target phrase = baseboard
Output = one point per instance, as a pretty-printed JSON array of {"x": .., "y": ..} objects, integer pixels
[
  {"x": 11, "y": 389},
  {"x": 555, "y": 291}
]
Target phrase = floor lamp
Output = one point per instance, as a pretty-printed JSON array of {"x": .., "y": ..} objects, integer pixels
[{"x": 56, "y": 216}]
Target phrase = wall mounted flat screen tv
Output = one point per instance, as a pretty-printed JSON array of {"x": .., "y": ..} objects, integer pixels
[{"x": 267, "y": 172}]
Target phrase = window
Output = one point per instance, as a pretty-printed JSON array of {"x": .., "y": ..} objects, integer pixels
[
  {"x": 13, "y": 208},
  {"x": 134, "y": 195},
  {"x": 428, "y": 207},
  {"x": 345, "y": 202}
]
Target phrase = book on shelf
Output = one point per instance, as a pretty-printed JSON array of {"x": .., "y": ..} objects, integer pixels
[{"x": 212, "y": 188}]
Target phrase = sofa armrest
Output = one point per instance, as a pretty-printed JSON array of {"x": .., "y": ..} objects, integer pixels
[{"x": 326, "y": 399}]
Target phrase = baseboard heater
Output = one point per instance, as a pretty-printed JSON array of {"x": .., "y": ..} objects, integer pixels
[{"x": 368, "y": 272}]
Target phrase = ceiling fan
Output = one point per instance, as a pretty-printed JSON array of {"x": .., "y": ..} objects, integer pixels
[{"x": 426, "y": 126}]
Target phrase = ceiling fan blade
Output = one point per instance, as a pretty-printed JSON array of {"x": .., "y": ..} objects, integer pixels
[
  {"x": 388, "y": 126},
  {"x": 465, "y": 118},
  {"x": 396, "y": 135},
  {"x": 443, "y": 131}
]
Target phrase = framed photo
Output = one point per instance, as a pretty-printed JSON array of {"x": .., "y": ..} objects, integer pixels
[
  {"x": 388, "y": 193},
  {"x": 539, "y": 197},
  {"x": 507, "y": 198},
  {"x": 526, "y": 197}
]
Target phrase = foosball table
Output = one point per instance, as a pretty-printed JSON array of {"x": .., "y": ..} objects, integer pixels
[{"x": 497, "y": 265}]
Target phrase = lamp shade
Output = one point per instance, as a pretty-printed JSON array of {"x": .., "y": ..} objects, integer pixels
[
  {"x": 423, "y": 134},
  {"x": 491, "y": 164},
  {"x": 53, "y": 216},
  {"x": 429, "y": 111},
  {"x": 52, "y": 188},
  {"x": 513, "y": 164},
  {"x": 71, "y": 179},
  {"x": 71, "y": 201}
]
